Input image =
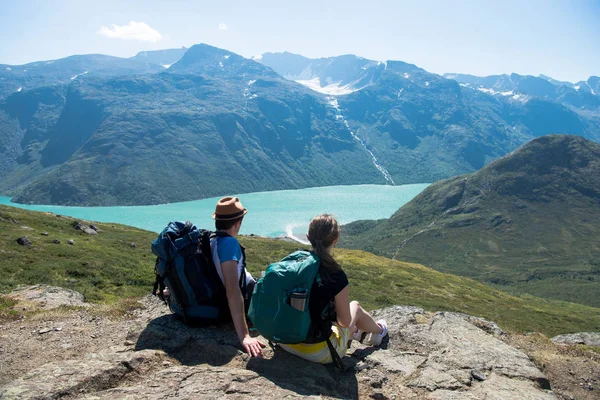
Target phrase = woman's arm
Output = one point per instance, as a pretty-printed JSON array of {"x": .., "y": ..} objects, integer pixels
[{"x": 342, "y": 308}]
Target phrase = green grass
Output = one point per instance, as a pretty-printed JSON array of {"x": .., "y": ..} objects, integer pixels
[
  {"x": 101, "y": 267},
  {"x": 6, "y": 311},
  {"x": 105, "y": 268}
]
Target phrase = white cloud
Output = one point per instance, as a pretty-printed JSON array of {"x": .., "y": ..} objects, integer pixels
[
  {"x": 223, "y": 27},
  {"x": 132, "y": 31}
]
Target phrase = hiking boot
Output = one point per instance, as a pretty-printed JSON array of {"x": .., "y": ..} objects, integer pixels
[{"x": 375, "y": 339}]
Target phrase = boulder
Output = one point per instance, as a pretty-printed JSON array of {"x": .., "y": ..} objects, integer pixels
[
  {"x": 587, "y": 338},
  {"x": 47, "y": 297},
  {"x": 89, "y": 231},
  {"x": 24, "y": 241}
]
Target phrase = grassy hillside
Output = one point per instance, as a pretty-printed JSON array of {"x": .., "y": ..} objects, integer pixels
[
  {"x": 105, "y": 267},
  {"x": 527, "y": 223}
]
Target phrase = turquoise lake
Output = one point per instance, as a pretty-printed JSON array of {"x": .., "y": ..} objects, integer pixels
[{"x": 283, "y": 212}]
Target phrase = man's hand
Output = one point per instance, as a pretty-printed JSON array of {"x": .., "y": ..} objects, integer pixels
[{"x": 253, "y": 346}]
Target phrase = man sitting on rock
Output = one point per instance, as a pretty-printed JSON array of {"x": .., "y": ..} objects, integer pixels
[
  {"x": 229, "y": 259},
  {"x": 227, "y": 302}
]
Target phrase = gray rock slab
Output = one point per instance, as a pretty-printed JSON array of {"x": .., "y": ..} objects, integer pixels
[
  {"x": 496, "y": 388},
  {"x": 404, "y": 364},
  {"x": 70, "y": 377},
  {"x": 159, "y": 357}
]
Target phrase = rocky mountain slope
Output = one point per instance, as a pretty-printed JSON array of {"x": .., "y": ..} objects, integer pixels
[
  {"x": 527, "y": 223},
  {"x": 166, "y": 58},
  {"x": 84, "y": 353},
  {"x": 179, "y": 135},
  {"x": 422, "y": 127}
]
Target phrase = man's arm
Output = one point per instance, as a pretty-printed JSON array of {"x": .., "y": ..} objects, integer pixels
[{"x": 236, "y": 307}]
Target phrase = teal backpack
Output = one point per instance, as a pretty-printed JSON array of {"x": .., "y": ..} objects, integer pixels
[{"x": 274, "y": 308}]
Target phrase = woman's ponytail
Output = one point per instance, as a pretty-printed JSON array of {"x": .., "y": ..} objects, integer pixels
[{"x": 323, "y": 231}]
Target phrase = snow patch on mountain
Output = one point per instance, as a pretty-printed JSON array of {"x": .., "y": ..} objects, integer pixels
[
  {"x": 75, "y": 76},
  {"x": 333, "y": 89},
  {"x": 486, "y": 90}
]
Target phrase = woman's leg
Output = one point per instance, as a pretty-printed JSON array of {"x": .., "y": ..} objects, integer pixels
[{"x": 362, "y": 319}]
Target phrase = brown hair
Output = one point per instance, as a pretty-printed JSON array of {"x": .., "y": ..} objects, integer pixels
[
  {"x": 323, "y": 230},
  {"x": 223, "y": 225}
]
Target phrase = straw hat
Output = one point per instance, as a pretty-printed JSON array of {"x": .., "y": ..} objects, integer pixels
[{"x": 229, "y": 208}]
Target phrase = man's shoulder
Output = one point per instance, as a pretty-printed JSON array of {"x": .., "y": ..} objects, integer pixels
[
  {"x": 227, "y": 244},
  {"x": 226, "y": 240}
]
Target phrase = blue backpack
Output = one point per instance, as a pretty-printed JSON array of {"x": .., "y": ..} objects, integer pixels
[{"x": 185, "y": 266}]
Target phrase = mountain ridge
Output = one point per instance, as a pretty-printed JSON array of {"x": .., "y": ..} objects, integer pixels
[{"x": 524, "y": 223}]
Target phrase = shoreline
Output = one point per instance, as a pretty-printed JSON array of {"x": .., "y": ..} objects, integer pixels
[{"x": 286, "y": 238}]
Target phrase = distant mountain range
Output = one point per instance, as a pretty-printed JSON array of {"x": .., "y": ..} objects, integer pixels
[
  {"x": 184, "y": 124},
  {"x": 17, "y": 78},
  {"x": 582, "y": 95},
  {"x": 527, "y": 223}
]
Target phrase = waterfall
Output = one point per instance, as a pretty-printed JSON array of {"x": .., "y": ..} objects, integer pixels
[{"x": 338, "y": 115}]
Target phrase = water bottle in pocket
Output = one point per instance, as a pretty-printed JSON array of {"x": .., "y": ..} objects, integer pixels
[{"x": 298, "y": 299}]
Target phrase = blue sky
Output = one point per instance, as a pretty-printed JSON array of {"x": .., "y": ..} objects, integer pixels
[{"x": 559, "y": 38}]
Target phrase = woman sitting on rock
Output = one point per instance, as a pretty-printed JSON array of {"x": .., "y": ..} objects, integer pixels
[{"x": 347, "y": 320}]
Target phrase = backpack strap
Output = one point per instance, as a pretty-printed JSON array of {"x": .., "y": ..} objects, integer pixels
[
  {"x": 159, "y": 283},
  {"x": 335, "y": 357},
  {"x": 181, "y": 303},
  {"x": 243, "y": 284}
]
